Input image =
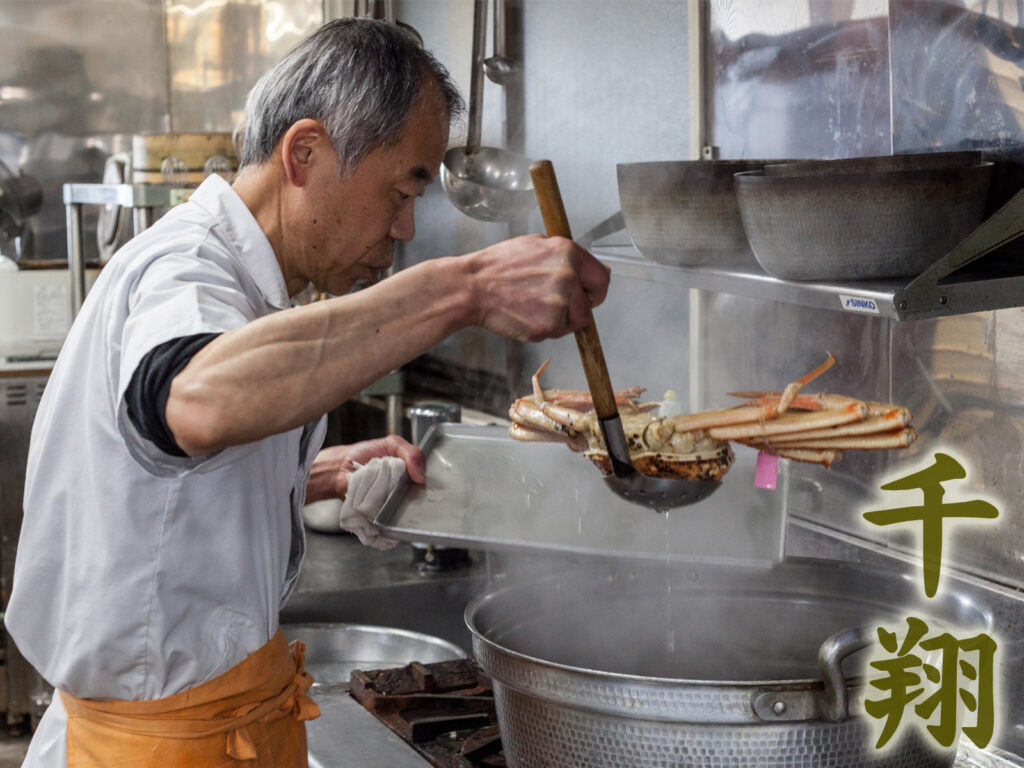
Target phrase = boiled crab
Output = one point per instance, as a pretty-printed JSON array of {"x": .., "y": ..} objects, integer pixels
[{"x": 812, "y": 428}]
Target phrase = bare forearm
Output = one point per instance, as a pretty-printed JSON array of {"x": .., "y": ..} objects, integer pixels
[{"x": 281, "y": 371}]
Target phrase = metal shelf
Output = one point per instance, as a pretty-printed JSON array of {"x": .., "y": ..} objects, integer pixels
[
  {"x": 947, "y": 287},
  {"x": 127, "y": 195},
  {"x": 141, "y": 198}
]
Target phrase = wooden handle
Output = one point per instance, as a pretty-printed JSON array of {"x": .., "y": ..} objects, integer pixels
[{"x": 557, "y": 224}]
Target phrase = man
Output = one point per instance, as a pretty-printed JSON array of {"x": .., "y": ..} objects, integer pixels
[{"x": 171, "y": 452}]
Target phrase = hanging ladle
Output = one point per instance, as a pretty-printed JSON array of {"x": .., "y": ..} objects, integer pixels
[
  {"x": 486, "y": 183},
  {"x": 625, "y": 481}
]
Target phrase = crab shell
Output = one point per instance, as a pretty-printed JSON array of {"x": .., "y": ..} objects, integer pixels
[{"x": 708, "y": 463}]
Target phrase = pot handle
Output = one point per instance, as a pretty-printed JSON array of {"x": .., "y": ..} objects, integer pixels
[{"x": 835, "y": 702}]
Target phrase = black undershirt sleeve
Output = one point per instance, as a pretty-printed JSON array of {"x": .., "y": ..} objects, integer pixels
[{"x": 146, "y": 396}]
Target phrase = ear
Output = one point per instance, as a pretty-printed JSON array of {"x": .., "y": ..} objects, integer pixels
[{"x": 301, "y": 146}]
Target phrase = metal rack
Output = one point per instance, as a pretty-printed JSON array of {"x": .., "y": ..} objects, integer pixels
[
  {"x": 141, "y": 198},
  {"x": 945, "y": 288}
]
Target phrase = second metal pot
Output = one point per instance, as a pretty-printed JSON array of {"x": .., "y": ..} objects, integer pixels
[{"x": 707, "y": 666}]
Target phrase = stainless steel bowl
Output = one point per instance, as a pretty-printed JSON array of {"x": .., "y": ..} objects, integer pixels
[
  {"x": 684, "y": 213},
  {"x": 334, "y": 650},
  {"x": 877, "y": 164},
  {"x": 859, "y": 225}
]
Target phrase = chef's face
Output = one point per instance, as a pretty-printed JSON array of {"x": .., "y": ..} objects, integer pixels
[{"x": 354, "y": 219}]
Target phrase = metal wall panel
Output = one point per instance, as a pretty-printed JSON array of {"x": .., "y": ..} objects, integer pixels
[
  {"x": 604, "y": 83},
  {"x": 957, "y": 72},
  {"x": 217, "y": 50},
  {"x": 956, "y": 82},
  {"x": 784, "y": 85},
  {"x": 800, "y": 78}
]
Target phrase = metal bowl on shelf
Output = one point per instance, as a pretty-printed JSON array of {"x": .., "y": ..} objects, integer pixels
[
  {"x": 877, "y": 164},
  {"x": 684, "y": 213},
  {"x": 856, "y": 224}
]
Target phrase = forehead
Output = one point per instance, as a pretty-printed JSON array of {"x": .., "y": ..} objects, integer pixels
[{"x": 421, "y": 146}]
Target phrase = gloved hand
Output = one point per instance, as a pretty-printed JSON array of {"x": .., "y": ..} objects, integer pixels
[{"x": 368, "y": 487}]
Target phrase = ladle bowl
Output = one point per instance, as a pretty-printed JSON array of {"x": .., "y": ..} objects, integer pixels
[
  {"x": 660, "y": 493},
  {"x": 488, "y": 184},
  {"x": 626, "y": 481}
]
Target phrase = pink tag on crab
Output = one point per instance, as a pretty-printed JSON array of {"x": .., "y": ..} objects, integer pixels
[{"x": 766, "y": 471}]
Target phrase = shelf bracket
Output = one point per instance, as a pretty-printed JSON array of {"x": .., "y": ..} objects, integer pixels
[{"x": 925, "y": 296}]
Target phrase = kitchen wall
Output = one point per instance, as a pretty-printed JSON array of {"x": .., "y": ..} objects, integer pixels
[{"x": 604, "y": 82}]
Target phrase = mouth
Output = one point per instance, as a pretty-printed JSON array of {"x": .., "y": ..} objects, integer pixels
[{"x": 384, "y": 263}]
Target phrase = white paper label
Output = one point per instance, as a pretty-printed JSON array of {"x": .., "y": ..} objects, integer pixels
[
  {"x": 859, "y": 304},
  {"x": 51, "y": 311}
]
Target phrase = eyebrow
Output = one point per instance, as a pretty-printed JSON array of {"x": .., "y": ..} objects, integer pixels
[{"x": 419, "y": 173}]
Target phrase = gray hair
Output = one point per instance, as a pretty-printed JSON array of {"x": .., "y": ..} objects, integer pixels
[{"x": 359, "y": 77}]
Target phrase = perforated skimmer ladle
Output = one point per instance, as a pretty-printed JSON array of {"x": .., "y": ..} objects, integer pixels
[{"x": 625, "y": 481}]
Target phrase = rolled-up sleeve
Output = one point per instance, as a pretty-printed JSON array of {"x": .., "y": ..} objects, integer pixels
[{"x": 176, "y": 295}]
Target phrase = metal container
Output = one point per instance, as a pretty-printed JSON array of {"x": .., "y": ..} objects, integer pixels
[
  {"x": 709, "y": 666},
  {"x": 859, "y": 225},
  {"x": 423, "y": 417},
  {"x": 878, "y": 164},
  {"x": 684, "y": 213},
  {"x": 334, "y": 650}
]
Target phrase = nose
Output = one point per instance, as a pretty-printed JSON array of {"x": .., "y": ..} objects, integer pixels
[{"x": 403, "y": 228}]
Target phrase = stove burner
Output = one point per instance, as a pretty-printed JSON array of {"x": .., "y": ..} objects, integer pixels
[{"x": 445, "y": 711}]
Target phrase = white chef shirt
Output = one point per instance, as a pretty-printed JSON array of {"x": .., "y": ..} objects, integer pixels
[{"x": 140, "y": 574}]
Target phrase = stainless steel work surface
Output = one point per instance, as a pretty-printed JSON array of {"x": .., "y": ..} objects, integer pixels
[
  {"x": 488, "y": 491},
  {"x": 347, "y": 736}
]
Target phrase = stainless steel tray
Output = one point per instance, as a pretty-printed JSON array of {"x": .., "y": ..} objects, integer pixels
[{"x": 485, "y": 490}]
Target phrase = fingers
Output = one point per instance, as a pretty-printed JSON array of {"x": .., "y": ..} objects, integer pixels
[
  {"x": 587, "y": 285},
  {"x": 415, "y": 461},
  {"x": 593, "y": 276},
  {"x": 534, "y": 287},
  {"x": 393, "y": 445}
]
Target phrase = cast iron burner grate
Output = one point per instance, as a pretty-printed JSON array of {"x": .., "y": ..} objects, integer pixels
[{"x": 445, "y": 711}]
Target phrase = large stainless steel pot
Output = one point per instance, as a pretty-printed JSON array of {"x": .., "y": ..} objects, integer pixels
[{"x": 705, "y": 666}]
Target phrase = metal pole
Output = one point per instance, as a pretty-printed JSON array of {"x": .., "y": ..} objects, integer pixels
[
  {"x": 76, "y": 257},
  {"x": 142, "y": 218},
  {"x": 476, "y": 76},
  {"x": 393, "y": 414}
]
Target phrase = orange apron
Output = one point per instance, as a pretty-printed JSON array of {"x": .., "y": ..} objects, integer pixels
[{"x": 250, "y": 716}]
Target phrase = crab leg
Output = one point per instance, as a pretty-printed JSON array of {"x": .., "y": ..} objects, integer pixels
[
  {"x": 581, "y": 398},
  {"x": 810, "y": 402},
  {"x": 578, "y": 398},
  {"x": 538, "y": 391},
  {"x": 791, "y": 422},
  {"x": 689, "y": 422},
  {"x": 890, "y": 422},
  {"x": 527, "y": 434},
  {"x": 548, "y": 416},
  {"x": 818, "y": 402},
  {"x": 896, "y": 439},
  {"x": 825, "y": 458},
  {"x": 793, "y": 389}
]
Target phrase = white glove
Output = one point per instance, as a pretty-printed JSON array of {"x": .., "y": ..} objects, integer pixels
[{"x": 368, "y": 487}]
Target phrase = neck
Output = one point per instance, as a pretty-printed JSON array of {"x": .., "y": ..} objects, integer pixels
[{"x": 262, "y": 194}]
